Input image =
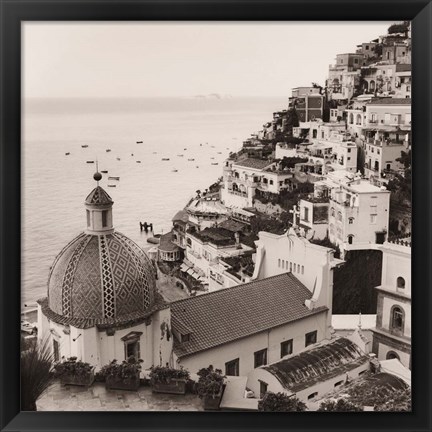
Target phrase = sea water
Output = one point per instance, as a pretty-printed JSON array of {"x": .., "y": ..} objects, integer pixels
[{"x": 55, "y": 185}]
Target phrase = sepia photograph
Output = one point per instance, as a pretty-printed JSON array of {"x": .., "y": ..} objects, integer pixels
[{"x": 216, "y": 216}]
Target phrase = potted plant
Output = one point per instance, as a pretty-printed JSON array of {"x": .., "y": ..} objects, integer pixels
[
  {"x": 210, "y": 387},
  {"x": 122, "y": 376},
  {"x": 74, "y": 372},
  {"x": 164, "y": 379}
]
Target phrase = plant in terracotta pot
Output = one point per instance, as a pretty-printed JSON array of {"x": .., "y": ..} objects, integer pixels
[
  {"x": 164, "y": 379},
  {"x": 122, "y": 376},
  {"x": 74, "y": 372},
  {"x": 210, "y": 387}
]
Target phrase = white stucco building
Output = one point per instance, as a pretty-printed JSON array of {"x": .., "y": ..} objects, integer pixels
[{"x": 358, "y": 210}]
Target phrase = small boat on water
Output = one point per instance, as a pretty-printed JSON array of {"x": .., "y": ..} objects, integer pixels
[
  {"x": 212, "y": 146},
  {"x": 138, "y": 161},
  {"x": 113, "y": 177},
  {"x": 139, "y": 142},
  {"x": 67, "y": 154},
  {"x": 219, "y": 152},
  {"x": 84, "y": 146},
  {"x": 185, "y": 148},
  {"x": 211, "y": 158},
  {"x": 180, "y": 155},
  {"x": 197, "y": 166},
  {"x": 112, "y": 185},
  {"x": 174, "y": 170},
  {"x": 191, "y": 159},
  {"x": 90, "y": 161},
  {"x": 153, "y": 240},
  {"x": 165, "y": 159},
  {"x": 215, "y": 163},
  {"x": 104, "y": 171},
  {"x": 131, "y": 154},
  {"x": 154, "y": 152},
  {"x": 108, "y": 150},
  {"x": 118, "y": 159}
]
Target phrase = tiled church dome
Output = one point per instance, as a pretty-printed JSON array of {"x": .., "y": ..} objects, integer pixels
[{"x": 101, "y": 276}]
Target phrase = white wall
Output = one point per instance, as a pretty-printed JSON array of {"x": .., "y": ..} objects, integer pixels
[{"x": 244, "y": 348}]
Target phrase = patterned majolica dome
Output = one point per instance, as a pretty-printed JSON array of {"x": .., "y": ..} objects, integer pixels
[{"x": 101, "y": 276}]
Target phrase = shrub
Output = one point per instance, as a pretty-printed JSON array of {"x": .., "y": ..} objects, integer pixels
[
  {"x": 164, "y": 374},
  {"x": 341, "y": 405},
  {"x": 280, "y": 402},
  {"x": 210, "y": 382},
  {"x": 72, "y": 367},
  {"x": 36, "y": 373},
  {"x": 125, "y": 371}
]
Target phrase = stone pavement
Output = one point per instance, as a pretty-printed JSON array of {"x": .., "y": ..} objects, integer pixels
[{"x": 97, "y": 398}]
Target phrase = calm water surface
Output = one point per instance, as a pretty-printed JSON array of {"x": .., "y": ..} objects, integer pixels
[{"x": 54, "y": 185}]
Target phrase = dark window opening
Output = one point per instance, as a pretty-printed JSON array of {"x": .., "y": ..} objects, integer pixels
[
  {"x": 185, "y": 337},
  {"x": 392, "y": 355},
  {"x": 286, "y": 348},
  {"x": 56, "y": 350},
  {"x": 260, "y": 358},
  {"x": 88, "y": 218},
  {"x": 232, "y": 368},
  {"x": 312, "y": 395},
  {"x": 104, "y": 218},
  {"x": 310, "y": 338},
  {"x": 263, "y": 389},
  {"x": 397, "y": 319},
  {"x": 400, "y": 282},
  {"x": 132, "y": 349}
]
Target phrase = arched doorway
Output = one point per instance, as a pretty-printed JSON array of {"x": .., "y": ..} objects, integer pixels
[{"x": 392, "y": 355}]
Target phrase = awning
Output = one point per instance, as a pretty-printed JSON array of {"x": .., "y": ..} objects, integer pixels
[{"x": 183, "y": 267}]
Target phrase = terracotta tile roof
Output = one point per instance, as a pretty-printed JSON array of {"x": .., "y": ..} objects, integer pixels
[
  {"x": 98, "y": 196},
  {"x": 181, "y": 216},
  {"x": 232, "y": 225},
  {"x": 253, "y": 163},
  {"x": 233, "y": 313},
  {"x": 390, "y": 101},
  {"x": 166, "y": 244},
  {"x": 317, "y": 364},
  {"x": 403, "y": 67}
]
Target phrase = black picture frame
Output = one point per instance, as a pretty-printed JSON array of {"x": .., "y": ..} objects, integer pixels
[{"x": 13, "y": 12}]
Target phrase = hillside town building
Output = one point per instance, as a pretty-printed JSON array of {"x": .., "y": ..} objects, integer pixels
[{"x": 392, "y": 335}]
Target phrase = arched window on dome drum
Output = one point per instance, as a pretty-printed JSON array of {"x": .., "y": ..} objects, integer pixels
[
  {"x": 88, "y": 218},
  {"x": 397, "y": 317},
  {"x": 400, "y": 282}
]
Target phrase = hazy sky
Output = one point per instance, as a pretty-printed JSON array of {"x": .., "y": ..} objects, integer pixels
[{"x": 183, "y": 59}]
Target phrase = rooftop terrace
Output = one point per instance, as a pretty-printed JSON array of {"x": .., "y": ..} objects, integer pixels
[{"x": 97, "y": 398}]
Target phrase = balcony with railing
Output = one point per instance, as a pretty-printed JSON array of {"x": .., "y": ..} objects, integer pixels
[{"x": 237, "y": 192}]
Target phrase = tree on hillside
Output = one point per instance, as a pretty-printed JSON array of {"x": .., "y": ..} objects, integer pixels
[{"x": 399, "y": 28}]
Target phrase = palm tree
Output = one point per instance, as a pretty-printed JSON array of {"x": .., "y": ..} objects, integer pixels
[{"x": 36, "y": 373}]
